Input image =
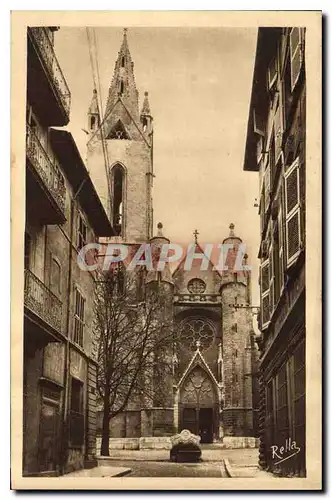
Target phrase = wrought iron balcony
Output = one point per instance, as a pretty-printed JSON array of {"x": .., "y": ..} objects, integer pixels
[
  {"x": 44, "y": 47},
  {"x": 41, "y": 301},
  {"x": 46, "y": 170}
]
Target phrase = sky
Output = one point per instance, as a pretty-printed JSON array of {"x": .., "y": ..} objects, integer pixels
[{"x": 199, "y": 82}]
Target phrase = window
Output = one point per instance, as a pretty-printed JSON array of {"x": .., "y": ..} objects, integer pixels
[
  {"x": 81, "y": 233},
  {"x": 196, "y": 286},
  {"x": 118, "y": 190},
  {"x": 123, "y": 60},
  {"x": 118, "y": 132},
  {"x": 79, "y": 318},
  {"x": 292, "y": 202},
  {"x": 121, "y": 87},
  {"x": 296, "y": 56},
  {"x": 55, "y": 276},
  {"x": 197, "y": 332},
  {"x": 76, "y": 416}
]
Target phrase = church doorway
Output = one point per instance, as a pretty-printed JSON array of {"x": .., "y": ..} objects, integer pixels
[
  {"x": 199, "y": 421},
  {"x": 198, "y": 402}
]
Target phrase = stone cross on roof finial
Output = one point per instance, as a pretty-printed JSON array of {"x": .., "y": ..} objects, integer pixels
[
  {"x": 198, "y": 344},
  {"x": 231, "y": 229},
  {"x": 195, "y": 233}
]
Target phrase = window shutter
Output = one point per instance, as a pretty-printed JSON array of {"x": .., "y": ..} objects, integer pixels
[
  {"x": 258, "y": 122},
  {"x": 265, "y": 293},
  {"x": 281, "y": 253},
  {"x": 295, "y": 55},
  {"x": 278, "y": 131},
  {"x": 267, "y": 188},
  {"x": 293, "y": 229},
  {"x": 272, "y": 72},
  {"x": 271, "y": 281}
]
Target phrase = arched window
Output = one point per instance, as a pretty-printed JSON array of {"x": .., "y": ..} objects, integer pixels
[
  {"x": 92, "y": 122},
  {"x": 123, "y": 62},
  {"x": 118, "y": 176},
  {"x": 121, "y": 87}
]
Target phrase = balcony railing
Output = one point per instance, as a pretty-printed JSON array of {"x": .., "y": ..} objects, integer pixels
[
  {"x": 41, "y": 301},
  {"x": 203, "y": 297},
  {"x": 45, "y": 168},
  {"x": 46, "y": 50}
]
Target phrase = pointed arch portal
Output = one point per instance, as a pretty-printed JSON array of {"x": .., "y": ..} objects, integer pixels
[{"x": 198, "y": 404}]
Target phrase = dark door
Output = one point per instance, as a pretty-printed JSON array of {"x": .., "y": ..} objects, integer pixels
[
  {"x": 189, "y": 419},
  {"x": 206, "y": 425},
  {"x": 48, "y": 438}
]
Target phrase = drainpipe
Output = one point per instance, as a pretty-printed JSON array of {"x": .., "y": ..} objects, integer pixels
[{"x": 64, "y": 432}]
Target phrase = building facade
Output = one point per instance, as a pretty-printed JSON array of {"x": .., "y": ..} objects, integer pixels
[
  {"x": 212, "y": 386},
  {"x": 275, "y": 147},
  {"x": 63, "y": 213}
]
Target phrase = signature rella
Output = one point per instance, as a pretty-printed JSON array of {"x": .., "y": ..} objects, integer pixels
[
  {"x": 155, "y": 257},
  {"x": 282, "y": 453}
]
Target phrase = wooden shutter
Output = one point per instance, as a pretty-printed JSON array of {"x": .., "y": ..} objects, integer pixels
[
  {"x": 278, "y": 130},
  {"x": 292, "y": 202},
  {"x": 265, "y": 294},
  {"x": 295, "y": 55},
  {"x": 258, "y": 122},
  {"x": 271, "y": 281},
  {"x": 281, "y": 252},
  {"x": 272, "y": 72},
  {"x": 267, "y": 188}
]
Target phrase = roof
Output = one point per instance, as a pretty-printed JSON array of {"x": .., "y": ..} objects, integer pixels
[
  {"x": 266, "y": 43},
  {"x": 76, "y": 172}
]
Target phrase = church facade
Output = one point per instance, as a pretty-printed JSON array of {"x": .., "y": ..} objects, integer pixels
[{"x": 212, "y": 386}]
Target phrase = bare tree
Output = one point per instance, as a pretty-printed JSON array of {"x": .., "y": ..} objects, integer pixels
[{"x": 135, "y": 342}]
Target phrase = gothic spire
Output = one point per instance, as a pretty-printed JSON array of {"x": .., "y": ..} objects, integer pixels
[{"x": 123, "y": 84}]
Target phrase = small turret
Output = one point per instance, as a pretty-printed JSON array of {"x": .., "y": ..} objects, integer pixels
[
  {"x": 157, "y": 243},
  {"x": 93, "y": 113},
  {"x": 145, "y": 117}
]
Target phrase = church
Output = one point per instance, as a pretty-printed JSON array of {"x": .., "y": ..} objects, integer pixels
[{"x": 213, "y": 390}]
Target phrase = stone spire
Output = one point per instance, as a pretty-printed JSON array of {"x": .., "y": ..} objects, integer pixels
[{"x": 123, "y": 83}]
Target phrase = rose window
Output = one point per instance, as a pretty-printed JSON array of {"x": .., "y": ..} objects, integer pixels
[
  {"x": 197, "y": 332},
  {"x": 196, "y": 286}
]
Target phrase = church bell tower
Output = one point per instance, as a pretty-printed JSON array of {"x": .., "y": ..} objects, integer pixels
[{"x": 119, "y": 153}]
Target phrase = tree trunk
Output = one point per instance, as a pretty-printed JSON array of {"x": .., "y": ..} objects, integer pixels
[{"x": 105, "y": 437}]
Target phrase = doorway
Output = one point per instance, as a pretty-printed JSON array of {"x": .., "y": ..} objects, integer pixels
[
  {"x": 199, "y": 421},
  {"x": 206, "y": 425}
]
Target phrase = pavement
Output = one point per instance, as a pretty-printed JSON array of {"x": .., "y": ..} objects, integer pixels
[
  {"x": 101, "y": 471},
  {"x": 216, "y": 462},
  {"x": 240, "y": 456}
]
